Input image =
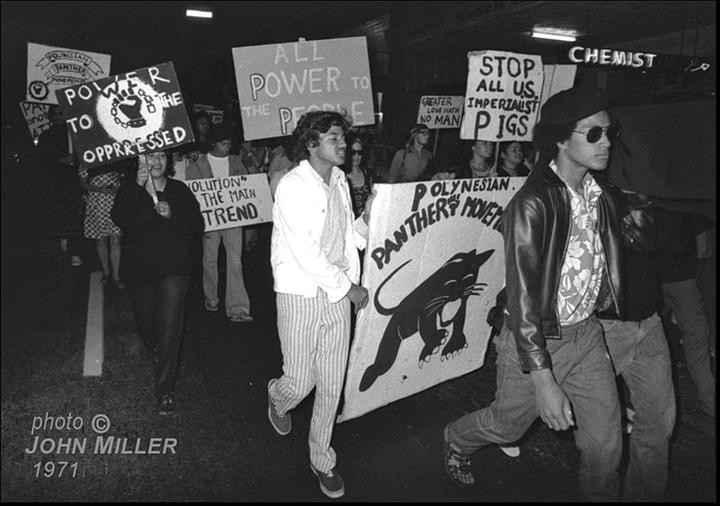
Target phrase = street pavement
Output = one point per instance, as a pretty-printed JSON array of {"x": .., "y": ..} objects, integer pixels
[{"x": 225, "y": 448}]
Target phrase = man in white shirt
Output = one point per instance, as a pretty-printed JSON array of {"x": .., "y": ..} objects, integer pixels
[
  {"x": 218, "y": 163},
  {"x": 316, "y": 267}
]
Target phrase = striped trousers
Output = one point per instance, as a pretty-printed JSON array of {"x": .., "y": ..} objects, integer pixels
[{"x": 314, "y": 338}]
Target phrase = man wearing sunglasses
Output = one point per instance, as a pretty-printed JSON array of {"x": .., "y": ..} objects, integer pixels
[{"x": 562, "y": 233}]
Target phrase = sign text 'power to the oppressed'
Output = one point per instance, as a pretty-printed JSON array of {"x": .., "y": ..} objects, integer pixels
[{"x": 153, "y": 141}]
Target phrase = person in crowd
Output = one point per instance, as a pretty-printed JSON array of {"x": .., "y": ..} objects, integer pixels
[
  {"x": 510, "y": 160},
  {"x": 217, "y": 163},
  {"x": 316, "y": 268},
  {"x": 677, "y": 241},
  {"x": 158, "y": 215},
  {"x": 480, "y": 162},
  {"x": 202, "y": 124},
  {"x": 358, "y": 176},
  {"x": 639, "y": 352},
  {"x": 410, "y": 163},
  {"x": 280, "y": 164},
  {"x": 101, "y": 184},
  {"x": 54, "y": 153},
  {"x": 255, "y": 158},
  {"x": 563, "y": 247}
]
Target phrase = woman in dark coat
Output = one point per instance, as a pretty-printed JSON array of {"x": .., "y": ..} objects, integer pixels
[{"x": 158, "y": 217}]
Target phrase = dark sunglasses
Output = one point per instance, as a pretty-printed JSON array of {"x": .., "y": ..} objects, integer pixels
[
  {"x": 356, "y": 151},
  {"x": 595, "y": 133}
]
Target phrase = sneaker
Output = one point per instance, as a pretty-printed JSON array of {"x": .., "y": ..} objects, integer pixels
[
  {"x": 510, "y": 451},
  {"x": 457, "y": 465},
  {"x": 166, "y": 405},
  {"x": 331, "y": 483},
  {"x": 242, "y": 317},
  {"x": 281, "y": 424},
  {"x": 75, "y": 261},
  {"x": 211, "y": 307}
]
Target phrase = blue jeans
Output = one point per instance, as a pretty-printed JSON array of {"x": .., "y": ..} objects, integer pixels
[
  {"x": 686, "y": 302},
  {"x": 640, "y": 354},
  {"x": 583, "y": 370}
]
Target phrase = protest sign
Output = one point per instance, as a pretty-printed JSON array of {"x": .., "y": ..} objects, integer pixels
[
  {"x": 502, "y": 97},
  {"x": 278, "y": 83},
  {"x": 36, "y": 117},
  {"x": 433, "y": 267},
  {"x": 126, "y": 115},
  {"x": 235, "y": 201},
  {"x": 440, "y": 112},
  {"x": 52, "y": 68}
]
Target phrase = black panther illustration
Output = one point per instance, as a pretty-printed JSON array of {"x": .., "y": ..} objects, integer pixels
[{"x": 422, "y": 309}]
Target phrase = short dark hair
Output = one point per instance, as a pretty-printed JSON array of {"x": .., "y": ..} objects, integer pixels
[
  {"x": 546, "y": 137},
  {"x": 308, "y": 130},
  {"x": 202, "y": 114}
]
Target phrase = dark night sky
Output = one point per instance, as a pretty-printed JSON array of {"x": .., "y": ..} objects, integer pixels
[{"x": 139, "y": 34}]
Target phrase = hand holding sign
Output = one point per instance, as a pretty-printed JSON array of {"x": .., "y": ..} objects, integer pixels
[
  {"x": 163, "y": 209},
  {"x": 143, "y": 173}
]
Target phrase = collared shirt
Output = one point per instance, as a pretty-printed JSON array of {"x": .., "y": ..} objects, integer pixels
[
  {"x": 584, "y": 263},
  {"x": 407, "y": 165},
  {"x": 306, "y": 251}
]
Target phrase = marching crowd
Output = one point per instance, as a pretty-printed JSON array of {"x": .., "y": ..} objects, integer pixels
[{"x": 590, "y": 266}]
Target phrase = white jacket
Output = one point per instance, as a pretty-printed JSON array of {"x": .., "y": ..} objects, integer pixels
[{"x": 299, "y": 263}]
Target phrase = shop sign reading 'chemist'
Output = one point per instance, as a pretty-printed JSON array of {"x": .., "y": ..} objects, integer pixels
[{"x": 278, "y": 83}]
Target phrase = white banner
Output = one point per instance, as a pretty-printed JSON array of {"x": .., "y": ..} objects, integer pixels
[
  {"x": 53, "y": 68},
  {"x": 441, "y": 111},
  {"x": 502, "y": 99},
  {"x": 235, "y": 201},
  {"x": 278, "y": 83},
  {"x": 433, "y": 266}
]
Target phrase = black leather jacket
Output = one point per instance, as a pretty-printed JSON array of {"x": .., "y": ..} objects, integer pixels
[{"x": 536, "y": 227}]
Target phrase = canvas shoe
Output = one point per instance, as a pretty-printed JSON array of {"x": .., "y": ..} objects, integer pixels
[
  {"x": 510, "y": 451},
  {"x": 331, "y": 484},
  {"x": 166, "y": 405},
  {"x": 241, "y": 317},
  {"x": 211, "y": 307},
  {"x": 281, "y": 424}
]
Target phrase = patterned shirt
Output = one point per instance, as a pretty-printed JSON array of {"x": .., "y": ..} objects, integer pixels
[
  {"x": 584, "y": 263},
  {"x": 333, "y": 235}
]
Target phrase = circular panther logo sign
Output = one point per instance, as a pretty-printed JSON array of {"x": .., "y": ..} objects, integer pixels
[{"x": 38, "y": 90}]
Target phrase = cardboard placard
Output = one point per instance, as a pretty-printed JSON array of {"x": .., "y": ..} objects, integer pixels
[
  {"x": 36, "y": 117},
  {"x": 441, "y": 111},
  {"x": 502, "y": 99},
  {"x": 126, "y": 115},
  {"x": 433, "y": 267},
  {"x": 234, "y": 201},
  {"x": 278, "y": 83},
  {"x": 52, "y": 68}
]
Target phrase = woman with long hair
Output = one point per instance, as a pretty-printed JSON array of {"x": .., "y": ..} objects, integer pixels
[
  {"x": 158, "y": 216},
  {"x": 510, "y": 162},
  {"x": 359, "y": 179}
]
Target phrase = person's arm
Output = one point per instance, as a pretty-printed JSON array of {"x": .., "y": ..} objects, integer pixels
[
  {"x": 291, "y": 218},
  {"x": 523, "y": 229},
  {"x": 396, "y": 166}
]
